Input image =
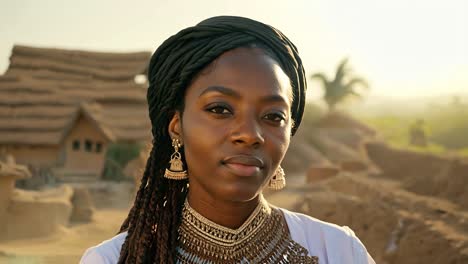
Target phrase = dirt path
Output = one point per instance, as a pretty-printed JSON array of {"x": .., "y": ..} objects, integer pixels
[{"x": 67, "y": 245}]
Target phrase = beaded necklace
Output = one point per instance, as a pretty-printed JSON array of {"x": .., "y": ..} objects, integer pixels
[{"x": 263, "y": 238}]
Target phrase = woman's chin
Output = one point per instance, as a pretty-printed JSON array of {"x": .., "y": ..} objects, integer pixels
[{"x": 239, "y": 193}]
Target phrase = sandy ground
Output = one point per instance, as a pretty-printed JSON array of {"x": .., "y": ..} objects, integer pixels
[{"x": 67, "y": 245}]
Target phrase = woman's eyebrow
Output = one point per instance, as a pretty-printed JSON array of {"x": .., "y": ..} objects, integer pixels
[
  {"x": 221, "y": 89},
  {"x": 275, "y": 98}
]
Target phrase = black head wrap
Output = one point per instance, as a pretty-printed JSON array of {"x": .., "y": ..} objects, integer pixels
[{"x": 182, "y": 56}]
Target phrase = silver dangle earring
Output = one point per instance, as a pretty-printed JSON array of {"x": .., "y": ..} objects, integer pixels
[
  {"x": 278, "y": 181},
  {"x": 176, "y": 170}
]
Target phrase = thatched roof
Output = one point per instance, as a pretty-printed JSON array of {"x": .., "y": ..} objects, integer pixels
[
  {"x": 59, "y": 64},
  {"x": 45, "y": 91},
  {"x": 50, "y": 124}
]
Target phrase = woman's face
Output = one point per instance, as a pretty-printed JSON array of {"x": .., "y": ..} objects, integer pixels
[{"x": 236, "y": 125}]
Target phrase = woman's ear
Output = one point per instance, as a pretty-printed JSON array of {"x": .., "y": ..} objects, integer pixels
[{"x": 175, "y": 126}]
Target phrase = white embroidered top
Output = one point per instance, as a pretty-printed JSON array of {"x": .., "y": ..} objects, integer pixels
[{"x": 332, "y": 244}]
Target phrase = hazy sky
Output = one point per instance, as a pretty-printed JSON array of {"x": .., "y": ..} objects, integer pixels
[{"x": 403, "y": 47}]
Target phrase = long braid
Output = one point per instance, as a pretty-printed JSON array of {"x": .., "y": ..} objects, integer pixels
[
  {"x": 153, "y": 222},
  {"x": 127, "y": 226}
]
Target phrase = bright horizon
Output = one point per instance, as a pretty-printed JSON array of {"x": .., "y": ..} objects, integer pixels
[{"x": 403, "y": 48}]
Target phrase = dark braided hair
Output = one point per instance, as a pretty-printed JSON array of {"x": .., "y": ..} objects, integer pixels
[{"x": 152, "y": 224}]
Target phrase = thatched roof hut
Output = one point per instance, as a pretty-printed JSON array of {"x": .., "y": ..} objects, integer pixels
[{"x": 47, "y": 94}]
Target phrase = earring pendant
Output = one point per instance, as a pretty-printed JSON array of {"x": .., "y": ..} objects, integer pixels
[
  {"x": 278, "y": 181},
  {"x": 176, "y": 169}
]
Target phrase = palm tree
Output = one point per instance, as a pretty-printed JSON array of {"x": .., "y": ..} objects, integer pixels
[{"x": 342, "y": 87}]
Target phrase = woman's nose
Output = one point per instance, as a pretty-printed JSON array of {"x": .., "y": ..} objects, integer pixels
[{"x": 248, "y": 132}]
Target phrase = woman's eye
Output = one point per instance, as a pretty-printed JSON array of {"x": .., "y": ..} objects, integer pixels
[
  {"x": 219, "y": 109},
  {"x": 274, "y": 117}
]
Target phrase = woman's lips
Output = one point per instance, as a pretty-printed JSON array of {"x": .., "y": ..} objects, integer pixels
[
  {"x": 242, "y": 170},
  {"x": 243, "y": 165}
]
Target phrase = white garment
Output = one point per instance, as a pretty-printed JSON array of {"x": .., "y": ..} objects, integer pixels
[{"x": 332, "y": 244}]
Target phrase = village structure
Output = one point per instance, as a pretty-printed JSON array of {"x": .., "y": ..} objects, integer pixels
[
  {"x": 60, "y": 109},
  {"x": 59, "y": 112}
]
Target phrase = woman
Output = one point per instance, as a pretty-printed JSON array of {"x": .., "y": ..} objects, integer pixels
[{"x": 224, "y": 98}]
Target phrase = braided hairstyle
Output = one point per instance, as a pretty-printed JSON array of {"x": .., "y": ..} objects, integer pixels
[{"x": 153, "y": 221}]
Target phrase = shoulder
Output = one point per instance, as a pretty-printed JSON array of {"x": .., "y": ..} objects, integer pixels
[
  {"x": 310, "y": 225},
  {"x": 107, "y": 252},
  {"x": 330, "y": 242}
]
